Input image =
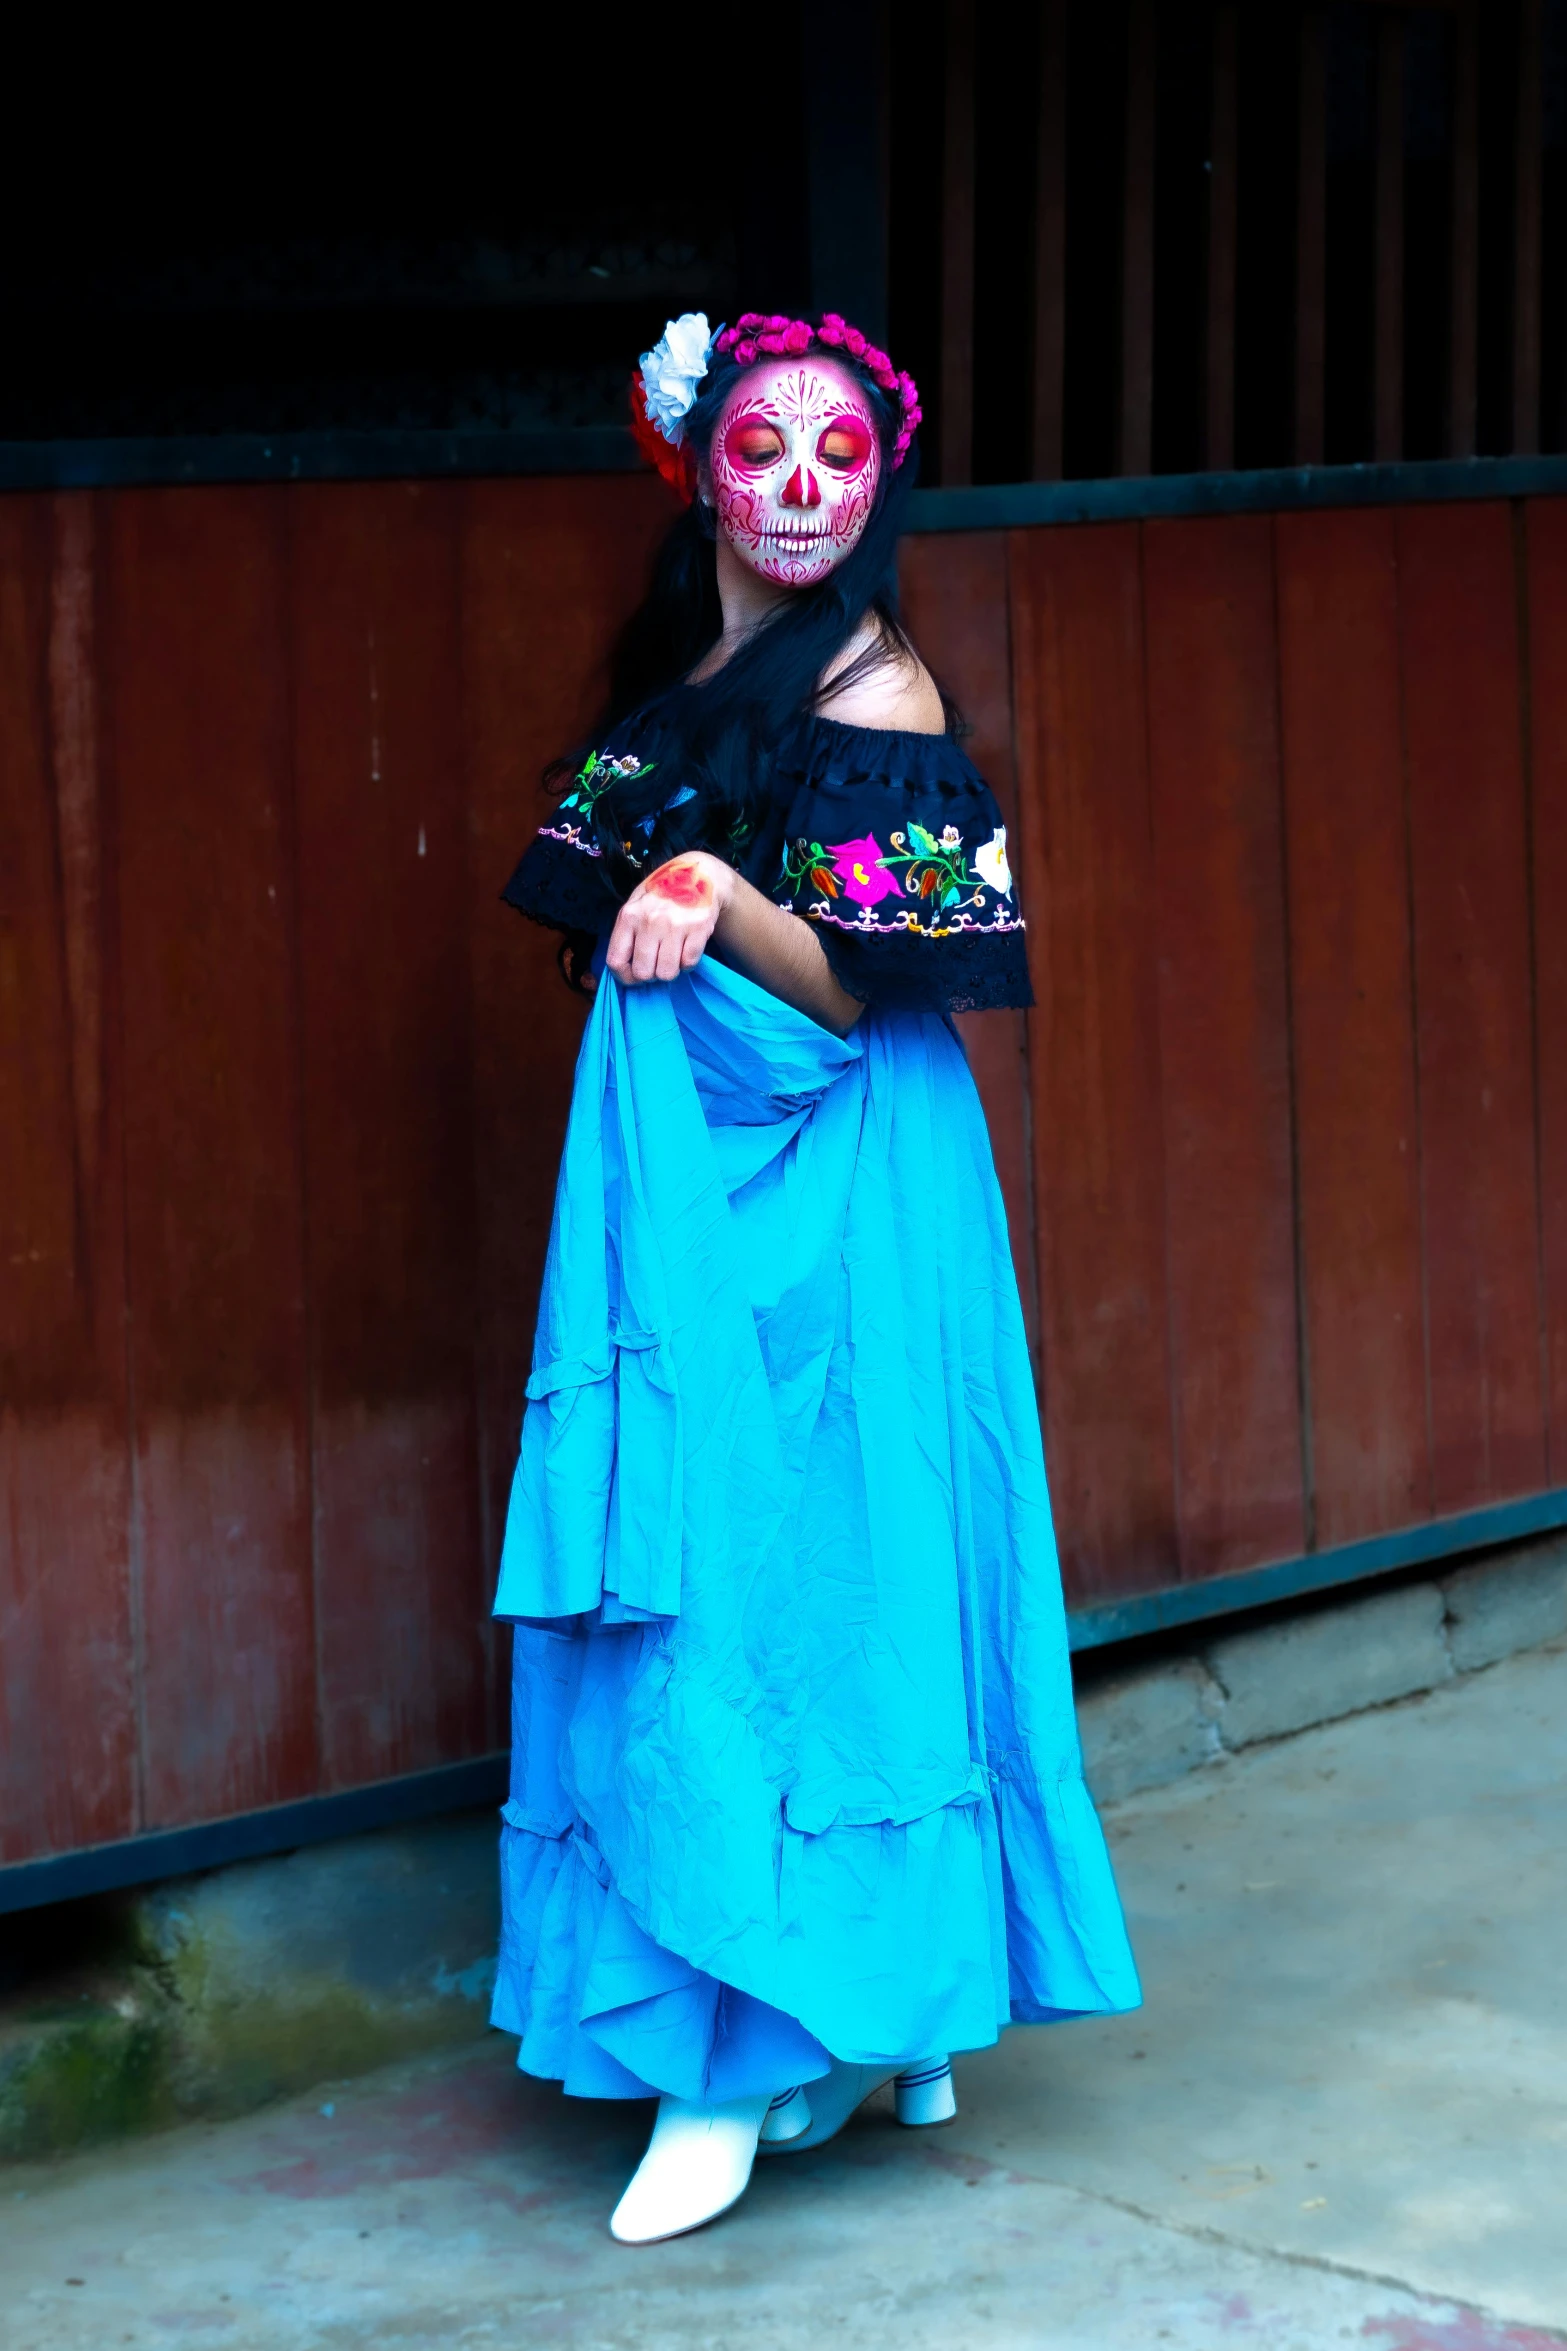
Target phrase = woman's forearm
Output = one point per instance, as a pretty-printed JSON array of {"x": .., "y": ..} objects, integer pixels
[{"x": 782, "y": 954}]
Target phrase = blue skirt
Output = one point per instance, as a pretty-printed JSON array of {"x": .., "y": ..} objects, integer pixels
[{"x": 795, "y": 1770}]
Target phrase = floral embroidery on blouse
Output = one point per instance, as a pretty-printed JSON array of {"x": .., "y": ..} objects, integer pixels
[
  {"x": 593, "y": 779},
  {"x": 944, "y": 889}
]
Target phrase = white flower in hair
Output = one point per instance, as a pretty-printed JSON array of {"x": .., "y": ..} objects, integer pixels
[{"x": 672, "y": 370}]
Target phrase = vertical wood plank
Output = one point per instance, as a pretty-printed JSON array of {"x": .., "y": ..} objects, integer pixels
[
  {"x": 198, "y": 720},
  {"x": 1352, "y": 1012},
  {"x": 67, "y": 1665},
  {"x": 1049, "y": 387},
  {"x": 957, "y": 249},
  {"x": 1527, "y": 227},
  {"x": 1461, "y": 689},
  {"x": 1224, "y": 1047},
  {"x": 1546, "y": 573},
  {"x": 1464, "y": 343},
  {"x": 954, "y": 596},
  {"x": 1088, "y": 886},
  {"x": 1219, "y": 435},
  {"x": 401, "y": 1582},
  {"x": 549, "y": 571},
  {"x": 1311, "y": 240},
  {"x": 1388, "y": 356},
  {"x": 1135, "y": 454}
]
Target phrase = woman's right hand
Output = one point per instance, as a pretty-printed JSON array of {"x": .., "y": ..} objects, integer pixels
[{"x": 666, "y": 923}]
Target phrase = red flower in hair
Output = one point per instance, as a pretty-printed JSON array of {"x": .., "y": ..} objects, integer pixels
[{"x": 677, "y": 466}]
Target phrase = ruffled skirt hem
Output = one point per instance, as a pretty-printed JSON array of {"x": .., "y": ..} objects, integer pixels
[{"x": 888, "y": 1940}]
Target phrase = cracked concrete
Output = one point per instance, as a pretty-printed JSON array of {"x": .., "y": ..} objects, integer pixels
[{"x": 1340, "y": 2119}]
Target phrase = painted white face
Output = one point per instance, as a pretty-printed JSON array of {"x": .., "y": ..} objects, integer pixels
[{"x": 795, "y": 459}]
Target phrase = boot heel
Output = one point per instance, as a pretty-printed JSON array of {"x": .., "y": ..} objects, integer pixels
[
  {"x": 787, "y": 2118},
  {"x": 923, "y": 2094}
]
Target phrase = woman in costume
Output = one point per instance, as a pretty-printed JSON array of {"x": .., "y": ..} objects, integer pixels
[{"x": 797, "y": 1804}]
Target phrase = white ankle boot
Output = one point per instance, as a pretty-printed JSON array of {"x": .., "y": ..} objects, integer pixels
[
  {"x": 697, "y": 2164},
  {"x": 922, "y": 2095}
]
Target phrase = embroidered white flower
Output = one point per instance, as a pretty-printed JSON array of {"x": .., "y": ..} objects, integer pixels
[
  {"x": 990, "y": 863},
  {"x": 672, "y": 370}
]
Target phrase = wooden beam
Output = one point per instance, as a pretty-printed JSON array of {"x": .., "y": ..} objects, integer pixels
[
  {"x": 957, "y": 250},
  {"x": 1135, "y": 454},
  {"x": 1311, "y": 241},
  {"x": 1219, "y": 434},
  {"x": 1050, "y": 247},
  {"x": 1526, "y": 232},
  {"x": 1388, "y": 384},
  {"x": 1464, "y": 334}
]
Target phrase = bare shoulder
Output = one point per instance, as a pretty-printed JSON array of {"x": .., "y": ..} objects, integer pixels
[{"x": 899, "y": 696}]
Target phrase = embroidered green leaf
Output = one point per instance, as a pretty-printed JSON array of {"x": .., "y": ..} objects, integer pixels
[
  {"x": 950, "y": 896},
  {"x": 923, "y": 840}
]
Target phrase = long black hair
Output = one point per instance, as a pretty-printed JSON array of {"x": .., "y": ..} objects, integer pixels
[{"x": 724, "y": 734}]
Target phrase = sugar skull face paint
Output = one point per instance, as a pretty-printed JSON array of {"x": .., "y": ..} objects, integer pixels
[{"x": 795, "y": 461}]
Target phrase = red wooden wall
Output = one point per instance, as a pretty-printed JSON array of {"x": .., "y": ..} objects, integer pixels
[{"x": 281, "y": 1085}]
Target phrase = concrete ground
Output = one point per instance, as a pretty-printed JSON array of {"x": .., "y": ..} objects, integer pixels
[{"x": 1342, "y": 2118}]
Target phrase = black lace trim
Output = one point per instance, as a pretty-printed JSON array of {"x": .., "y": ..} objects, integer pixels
[{"x": 901, "y": 971}]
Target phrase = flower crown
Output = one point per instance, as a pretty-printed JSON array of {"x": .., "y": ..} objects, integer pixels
[{"x": 664, "y": 388}]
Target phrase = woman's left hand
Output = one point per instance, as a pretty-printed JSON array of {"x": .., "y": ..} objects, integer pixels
[{"x": 666, "y": 923}]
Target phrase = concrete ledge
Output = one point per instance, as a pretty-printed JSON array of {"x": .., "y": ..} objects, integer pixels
[
  {"x": 1143, "y": 1728},
  {"x": 1516, "y": 1600},
  {"x": 212, "y": 1995},
  {"x": 1334, "y": 1661}
]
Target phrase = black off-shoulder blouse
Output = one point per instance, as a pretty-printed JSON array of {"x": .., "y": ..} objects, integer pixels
[{"x": 890, "y": 844}]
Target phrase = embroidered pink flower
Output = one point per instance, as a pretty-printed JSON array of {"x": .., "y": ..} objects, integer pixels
[{"x": 858, "y": 866}]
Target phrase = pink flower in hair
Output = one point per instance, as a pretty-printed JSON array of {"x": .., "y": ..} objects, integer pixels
[
  {"x": 776, "y": 324},
  {"x": 854, "y": 342},
  {"x": 797, "y": 337},
  {"x": 832, "y": 328},
  {"x": 771, "y": 342},
  {"x": 745, "y": 353}
]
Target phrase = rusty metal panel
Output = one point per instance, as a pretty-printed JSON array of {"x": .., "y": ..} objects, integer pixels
[
  {"x": 1546, "y": 526},
  {"x": 197, "y": 706},
  {"x": 954, "y": 595},
  {"x": 1352, "y": 1007},
  {"x": 550, "y": 569},
  {"x": 1087, "y": 875},
  {"x": 67, "y": 1693},
  {"x": 376, "y": 723},
  {"x": 1224, "y": 1040},
  {"x": 1462, "y": 682},
  {"x": 282, "y": 1085}
]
